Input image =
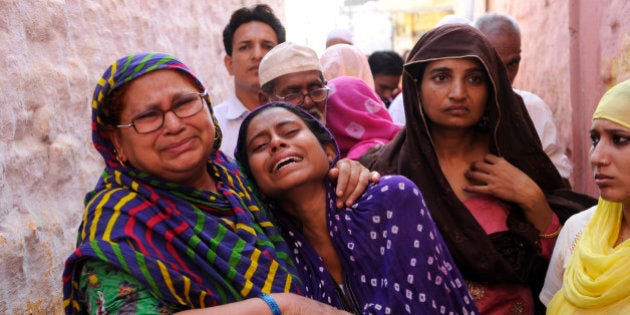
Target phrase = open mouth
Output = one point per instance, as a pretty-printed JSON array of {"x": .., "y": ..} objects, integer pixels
[{"x": 286, "y": 161}]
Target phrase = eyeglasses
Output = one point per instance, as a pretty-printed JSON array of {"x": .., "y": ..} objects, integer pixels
[
  {"x": 184, "y": 106},
  {"x": 297, "y": 99}
]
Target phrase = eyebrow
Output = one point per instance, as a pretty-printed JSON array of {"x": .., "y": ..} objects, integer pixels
[
  {"x": 177, "y": 97},
  {"x": 474, "y": 69},
  {"x": 264, "y": 132},
  {"x": 251, "y": 40},
  {"x": 441, "y": 69},
  {"x": 611, "y": 130},
  {"x": 298, "y": 87}
]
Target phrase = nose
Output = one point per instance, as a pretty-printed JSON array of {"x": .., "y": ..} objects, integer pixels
[
  {"x": 599, "y": 155},
  {"x": 276, "y": 143},
  {"x": 258, "y": 52},
  {"x": 387, "y": 94},
  {"x": 307, "y": 102},
  {"x": 458, "y": 90},
  {"x": 172, "y": 123}
]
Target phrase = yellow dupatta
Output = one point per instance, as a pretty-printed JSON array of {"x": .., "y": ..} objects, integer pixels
[{"x": 597, "y": 279}]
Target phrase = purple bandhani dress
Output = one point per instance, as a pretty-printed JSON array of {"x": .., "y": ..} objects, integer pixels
[{"x": 393, "y": 257}]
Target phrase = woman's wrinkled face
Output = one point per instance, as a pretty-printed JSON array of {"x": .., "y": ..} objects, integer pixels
[
  {"x": 283, "y": 153},
  {"x": 610, "y": 160},
  {"x": 178, "y": 150},
  {"x": 454, "y": 92}
]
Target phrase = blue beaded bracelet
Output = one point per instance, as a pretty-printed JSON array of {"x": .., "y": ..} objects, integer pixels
[{"x": 275, "y": 309}]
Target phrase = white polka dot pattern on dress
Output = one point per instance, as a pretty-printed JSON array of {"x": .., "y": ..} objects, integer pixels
[{"x": 393, "y": 257}]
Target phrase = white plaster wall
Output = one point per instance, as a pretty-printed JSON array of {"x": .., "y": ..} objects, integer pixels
[{"x": 51, "y": 55}]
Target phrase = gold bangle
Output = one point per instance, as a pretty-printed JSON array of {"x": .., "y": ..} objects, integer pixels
[{"x": 551, "y": 235}]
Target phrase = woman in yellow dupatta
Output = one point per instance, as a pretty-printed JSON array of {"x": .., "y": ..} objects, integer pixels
[{"x": 597, "y": 277}]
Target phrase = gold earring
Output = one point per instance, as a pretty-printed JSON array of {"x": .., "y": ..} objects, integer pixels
[{"x": 120, "y": 161}]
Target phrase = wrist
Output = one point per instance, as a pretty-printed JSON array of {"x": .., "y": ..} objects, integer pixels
[{"x": 271, "y": 303}]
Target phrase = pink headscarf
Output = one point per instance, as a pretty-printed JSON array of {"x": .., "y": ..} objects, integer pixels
[
  {"x": 343, "y": 59},
  {"x": 357, "y": 117}
]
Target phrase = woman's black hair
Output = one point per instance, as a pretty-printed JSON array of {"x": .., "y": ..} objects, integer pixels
[{"x": 315, "y": 126}]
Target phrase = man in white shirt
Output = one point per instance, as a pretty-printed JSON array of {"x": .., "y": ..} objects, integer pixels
[
  {"x": 250, "y": 34},
  {"x": 504, "y": 34}
]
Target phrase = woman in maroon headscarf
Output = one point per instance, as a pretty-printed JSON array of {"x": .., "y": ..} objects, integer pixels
[{"x": 471, "y": 147}]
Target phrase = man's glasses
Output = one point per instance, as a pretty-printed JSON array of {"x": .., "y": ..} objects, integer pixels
[
  {"x": 186, "y": 105},
  {"x": 297, "y": 99}
]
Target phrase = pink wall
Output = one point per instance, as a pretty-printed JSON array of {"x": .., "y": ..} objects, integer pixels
[{"x": 572, "y": 52}]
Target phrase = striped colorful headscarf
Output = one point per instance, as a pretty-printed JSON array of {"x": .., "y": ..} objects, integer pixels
[{"x": 192, "y": 248}]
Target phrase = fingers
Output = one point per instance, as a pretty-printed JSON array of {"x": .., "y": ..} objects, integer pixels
[
  {"x": 353, "y": 179},
  {"x": 364, "y": 179},
  {"x": 356, "y": 183},
  {"x": 355, "y": 191},
  {"x": 489, "y": 162},
  {"x": 333, "y": 173},
  {"x": 491, "y": 158},
  {"x": 342, "y": 172},
  {"x": 375, "y": 177}
]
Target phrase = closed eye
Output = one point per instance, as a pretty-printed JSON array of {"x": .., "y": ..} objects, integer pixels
[
  {"x": 258, "y": 146},
  {"x": 186, "y": 101},
  {"x": 291, "y": 132},
  {"x": 148, "y": 115}
]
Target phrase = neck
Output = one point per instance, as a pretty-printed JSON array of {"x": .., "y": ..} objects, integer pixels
[
  {"x": 624, "y": 228},
  {"x": 205, "y": 182},
  {"x": 459, "y": 143},
  {"x": 308, "y": 205},
  {"x": 249, "y": 97},
  {"x": 625, "y": 217}
]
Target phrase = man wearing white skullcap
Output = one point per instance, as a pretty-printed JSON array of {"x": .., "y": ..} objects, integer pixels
[{"x": 292, "y": 73}]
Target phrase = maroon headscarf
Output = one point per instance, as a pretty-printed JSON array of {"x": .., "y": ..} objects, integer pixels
[{"x": 502, "y": 257}]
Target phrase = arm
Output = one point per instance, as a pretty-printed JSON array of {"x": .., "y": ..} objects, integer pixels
[
  {"x": 114, "y": 291},
  {"x": 498, "y": 178},
  {"x": 555, "y": 272},
  {"x": 290, "y": 304},
  {"x": 352, "y": 179},
  {"x": 549, "y": 237}
]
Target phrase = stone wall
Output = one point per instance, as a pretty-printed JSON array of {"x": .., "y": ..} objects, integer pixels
[{"x": 52, "y": 52}]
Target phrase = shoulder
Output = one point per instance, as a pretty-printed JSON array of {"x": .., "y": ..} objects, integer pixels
[
  {"x": 397, "y": 110},
  {"x": 220, "y": 108},
  {"x": 229, "y": 109},
  {"x": 533, "y": 101},
  {"x": 108, "y": 197},
  {"x": 579, "y": 220},
  {"x": 395, "y": 186},
  {"x": 571, "y": 231},
  {"x": 226, "y": 103}
]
